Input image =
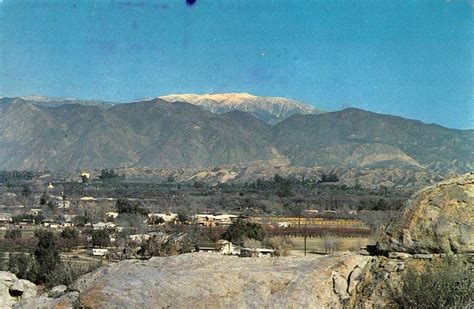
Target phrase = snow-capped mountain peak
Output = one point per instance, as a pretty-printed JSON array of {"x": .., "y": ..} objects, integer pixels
[{"x": 268, "y": 109}]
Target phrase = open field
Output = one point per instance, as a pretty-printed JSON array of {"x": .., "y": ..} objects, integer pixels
[{"x": 319, "y": 244}]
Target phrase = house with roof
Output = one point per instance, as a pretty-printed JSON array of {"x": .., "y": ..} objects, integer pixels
[
  {"x": 256, "y": 252},
  {"x": 167, "y": 217},
  {"x": 5, "y": 217},
  {"x": 227, "y": 247},
  {"x": 214, "y": 220},
  {"x": 103, "y": 225}
]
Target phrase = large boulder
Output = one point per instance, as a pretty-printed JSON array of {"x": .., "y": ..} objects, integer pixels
[
  {"x": 437, "y": 219},
  {"x": 210, "y": 280},
  {"x": 12, "y": 289}
]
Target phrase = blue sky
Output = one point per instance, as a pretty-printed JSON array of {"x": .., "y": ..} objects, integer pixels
[{"x": 409, "y": 58}]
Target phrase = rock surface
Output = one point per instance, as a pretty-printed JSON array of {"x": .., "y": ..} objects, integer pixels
[
  {"x": 69, "y": 300},
  {"x": 209, "y": 280},
  {"x": 12, "y": 289},
  {"x": 437, "y": 219}
]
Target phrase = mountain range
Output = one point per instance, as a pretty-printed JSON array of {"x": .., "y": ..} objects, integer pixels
[{"x": 38, "y": 133}]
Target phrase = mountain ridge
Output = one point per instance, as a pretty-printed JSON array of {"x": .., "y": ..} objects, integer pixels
[{"x": 163, "y": 134}]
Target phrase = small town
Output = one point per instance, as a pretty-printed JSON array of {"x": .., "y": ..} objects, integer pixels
[{"x": 111, "y": 229}]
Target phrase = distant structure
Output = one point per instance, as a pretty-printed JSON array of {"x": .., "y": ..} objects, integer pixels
[{"x": 85, "y": 174}]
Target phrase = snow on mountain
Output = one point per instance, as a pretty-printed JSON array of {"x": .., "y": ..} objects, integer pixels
[{"x": 268, "y": 109}]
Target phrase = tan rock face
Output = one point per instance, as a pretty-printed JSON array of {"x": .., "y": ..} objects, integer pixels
[
  {"x": 437, "y": 219},
  {"x": 206, "y": 280},
  {"x": 209, "y": 280}
]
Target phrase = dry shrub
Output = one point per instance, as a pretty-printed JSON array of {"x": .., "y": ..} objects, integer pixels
[
  {"x": 281, "y": 245},
  {"x": 449, "y": 284}
]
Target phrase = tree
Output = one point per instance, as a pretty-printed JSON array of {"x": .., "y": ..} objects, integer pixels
[
  {"x": 285, "y": 188},
  {"x": 183, "y": 218},
  {"x": 329, "y": 178},
  {"x": 156, "y": 220},
  {"x": 240, "y": 230},
  {"x": 70, "y": 233},
  {"x": 46, "y": 255},
  {"x": 44, "y": 198},
  {"x": 22, "y": 265},
  {"x": 100, "y": 238},
  {"x": 126, "y": 206},
  {"x": 28, "y": 217},
  {"x": 84, "y": 179},
  {"x": 80, "y": 220},
  {"x": 13, "y": 233},
  {"x": 107, "y": 174},
  {"x": 277, "y": 178},
  {"x": 70, "y": 237},
  {"x": 26, "y": 190}
]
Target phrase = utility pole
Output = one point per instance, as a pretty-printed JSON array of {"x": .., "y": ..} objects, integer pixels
[{"x": 305, "y": 234}]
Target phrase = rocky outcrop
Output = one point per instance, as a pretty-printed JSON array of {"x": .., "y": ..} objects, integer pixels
[
  {"x": 207, "y": 280},
  {"x": 437, "y": 219},
  {"x": 68, "y": 300},
  {"x": 12, "y": 289}
]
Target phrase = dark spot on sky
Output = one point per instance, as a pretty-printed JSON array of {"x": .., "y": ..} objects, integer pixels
[
  {"x": 190, "y": 2},
  {"x": 132, "y": 4},
  {"x": 134, "y": 25},
  {"x": 163, "y": 6}
]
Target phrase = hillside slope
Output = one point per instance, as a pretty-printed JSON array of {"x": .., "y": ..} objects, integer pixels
[{"x": 355, "y": 137}]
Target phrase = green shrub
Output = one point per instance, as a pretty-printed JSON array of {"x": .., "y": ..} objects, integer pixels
[
  {"x": 22, "y": 265},
  {"x": 100, "y": 238},
  {"x": 13, "y": 233},
  {"x": 449, "y": 284},
  {"x": 70, "y": 233}
]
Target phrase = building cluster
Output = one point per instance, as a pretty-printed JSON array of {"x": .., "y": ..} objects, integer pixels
[{"x": 227, "y": 248}]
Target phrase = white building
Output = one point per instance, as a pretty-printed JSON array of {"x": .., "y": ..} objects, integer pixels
[
  {"x": 167, "y": 217},
  {"x": 5, "y": 217},
  {"x": 139, "y": 237},
  {"x": 99, "y": 251},
  {"x": 112, "y": 214},
  {"x": 228, "y": 248},
  {"x": 256, "y": 252},
  {"x": 103, "y": 225},
  {"x": 215, "y": 220}
]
